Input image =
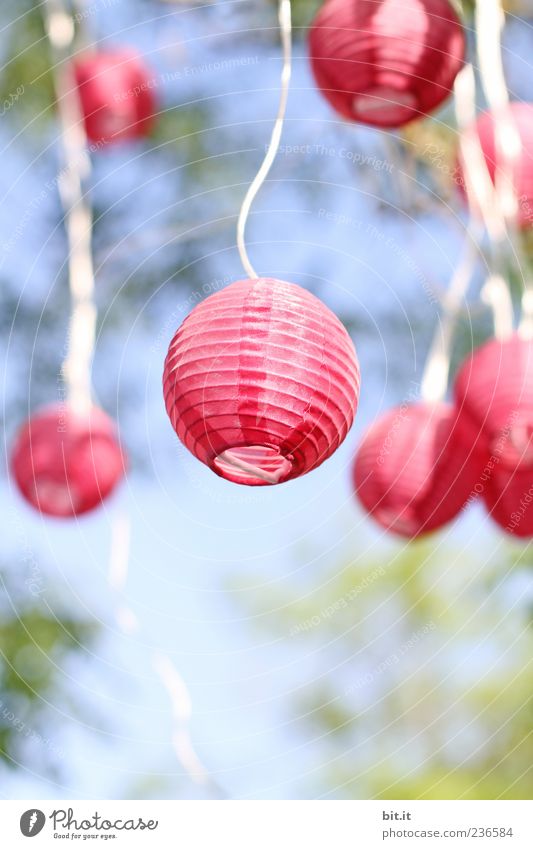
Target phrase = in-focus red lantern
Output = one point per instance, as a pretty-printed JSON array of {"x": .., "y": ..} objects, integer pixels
[
  {"x": 411, "y": 472},
  {"x": 261, "y": 382},
  {"x": 386, "y": 62},
  {"x": 508, "y": 497},
  {"x": 117, "y": 95},
  {"x": 522, "y": 115},
  {"x": 65, "y": 464},
  {"x": 494, "y": 396}
]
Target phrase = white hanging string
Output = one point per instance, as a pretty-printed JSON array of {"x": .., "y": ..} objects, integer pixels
[
  {"x": 77, "y": 365},
  {"x": 490, "y": 21},
  {"x": 61, "y": 32},
  {"x": 182, "y": 714},
  {"x": 436, "y": 373},
  {"x": 286, "y": 40},
  {"x": 161, "y": 664},
  {"x": 82, "y": 11},
  {"x": 480, "y": 190},
  {"x": 285, "y": 23},
  {"x": 437, "y": 369}
]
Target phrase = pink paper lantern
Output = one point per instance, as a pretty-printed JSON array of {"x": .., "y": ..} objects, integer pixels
[
  {"x": 66, "y": 464},
  {"x": 494, "y": 396},
  {"x": 261, "y": 382},
  {"x": 411, "y": 472},
  {"x": 508, "y": 497},
  {"x": 116, "y": 91},
  {"x": 522, "y": 114},
  {"x": 386, "y": 62}
]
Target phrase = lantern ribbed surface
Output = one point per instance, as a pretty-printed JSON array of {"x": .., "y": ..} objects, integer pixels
[
  {"x": 386, "y": 62},
  {"x": 116, "y": 91},
  {"x": 411, "y": 473},
  {"x": 66, "y": 464},
  {"x": 261, "y": 382},
  {"x": 522, "y": 115},
  {"x": 494, "y": 395},
  {"x": 508, "y": 497}
]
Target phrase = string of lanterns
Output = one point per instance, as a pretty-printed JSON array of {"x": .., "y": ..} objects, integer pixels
[
  {"x": 412, "y": 472},
  {"x": 420, "y": 465},
  {"x": 261, "y": 381},
  {"x": 67, "y": 458}
]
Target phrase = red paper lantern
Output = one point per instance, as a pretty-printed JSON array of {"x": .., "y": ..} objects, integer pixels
[
  {"x": 508, "y": 497},
  {"x": 64, "y": 463},
  {"x": 261, "y": 382},
  {"x": 116, "y": 91},
  {"x": 411, "y": 472},
  {"x": 522, "y": 114},
  {"x": 386, "y": 62},
  {"x": 494, "y": 397}
]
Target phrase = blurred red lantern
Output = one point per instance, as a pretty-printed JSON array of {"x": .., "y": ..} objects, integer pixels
[
  {"x": 411, "y": 472},
  {"x": 66, "y": 464},
  {"x": 522, "y": 115},
  {"x": 116, "y": 91},
  {"x": 508, "y": 497},
  {"x": 494, "y": 396},
  {"x": 261, "y": 382},
  {"x": 386, "y": 62}
]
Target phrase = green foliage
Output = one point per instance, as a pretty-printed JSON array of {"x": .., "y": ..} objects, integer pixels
[
  {"x": 424, "y": 684},
  {"x": 398, "y": 634},
  {"x": 26, "y": 78},
  {"x": 35, "y": 644}
]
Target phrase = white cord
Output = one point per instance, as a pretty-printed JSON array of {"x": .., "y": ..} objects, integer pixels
[
  {"x": 495, "y": 291},
  {"x": 437, "y": 369},
  {"x": 162, "y": 665},
  {"x": 490, "y": 20},
  {"x": 77, "y": 209},
  {"x": 480, "y": 189},
  {"x": 286, "y": 40},
  {"x": 77, "y": 365}
]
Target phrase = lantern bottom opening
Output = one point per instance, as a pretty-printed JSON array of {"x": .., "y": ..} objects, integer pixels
[
  {"x": 384, "y": 104},
  {"x": 253, "y": 465}
]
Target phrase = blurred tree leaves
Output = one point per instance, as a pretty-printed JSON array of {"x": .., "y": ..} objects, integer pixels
[
  {"x": 27, "y": 66},
  {"x": 35, "y": 645},
  {"x": 421, "y": 683},
  {"x": 402, "y": 715}
]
